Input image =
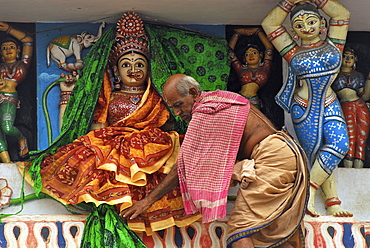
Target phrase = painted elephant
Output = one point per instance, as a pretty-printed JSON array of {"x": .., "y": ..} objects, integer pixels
[{"x": 62, "y": 47}]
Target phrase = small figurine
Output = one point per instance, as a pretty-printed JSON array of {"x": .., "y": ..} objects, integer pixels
[
  {"x": 60, "y": 48},
  {"x": 254, "y": 73},
  {"x": 66, "y": 83},
  {"x": 13, "y": 71},
  {"x": 349, "y": 86}
]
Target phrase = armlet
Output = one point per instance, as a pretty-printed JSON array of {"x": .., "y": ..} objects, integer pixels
[
  {"x": 339, "y": 22},
  {"x": 339, "y": 43},
  {"x": 289, "y": 50},
  {"x": 276, "y": 33},
  {"x": 285, "y": 5}
]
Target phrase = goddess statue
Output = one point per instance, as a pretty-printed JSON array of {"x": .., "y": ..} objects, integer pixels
[{"x": 127, "y": 153}]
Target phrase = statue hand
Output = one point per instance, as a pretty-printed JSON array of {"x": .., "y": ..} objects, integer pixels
[
  {"x": 2, "y": 82},
  {"x": 238, "y": 30},
  {"x": 137, "y": 208},
  {"x": 297, "y": 1},
  {"x": 246, "y": 31},
  {"x": 252, "y": 31},
  {"x": 4, "y": 26}
]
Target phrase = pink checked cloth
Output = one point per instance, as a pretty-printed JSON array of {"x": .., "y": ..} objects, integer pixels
[{"x": 209, "y": 150}]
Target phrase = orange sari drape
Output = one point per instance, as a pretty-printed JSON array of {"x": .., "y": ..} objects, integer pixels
[{"x": 120, "y": 164}]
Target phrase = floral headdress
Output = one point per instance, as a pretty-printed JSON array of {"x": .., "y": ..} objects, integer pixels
[{"x": 130, "y": 36}]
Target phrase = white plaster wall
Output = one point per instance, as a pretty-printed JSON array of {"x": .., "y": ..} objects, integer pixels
[
  {"x": 38, "y": 206},
  {"x": 353, "y": 190}
]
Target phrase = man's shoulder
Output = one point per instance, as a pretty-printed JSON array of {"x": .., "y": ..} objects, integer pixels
[
  {"x": 223, "y": 96},
  {"x": 219, "y": 92}
]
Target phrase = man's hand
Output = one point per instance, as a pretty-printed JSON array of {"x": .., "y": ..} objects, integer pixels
[
  {"x": 136, "y": 209},
  {"x": 162, "y": 189}
]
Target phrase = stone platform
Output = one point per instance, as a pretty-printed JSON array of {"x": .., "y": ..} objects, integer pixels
[
  {"x": 65, "y": 231},
  {"x": 47, "y": 223}
]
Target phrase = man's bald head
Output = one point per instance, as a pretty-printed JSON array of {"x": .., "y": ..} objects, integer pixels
[
  {"x": 172, "y": 83},
  {"x": 182, "y": 83},
  {"x": 180, "y": 92}
]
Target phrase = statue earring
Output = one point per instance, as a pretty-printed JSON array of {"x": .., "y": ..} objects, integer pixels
[
  {"x": 117, "y": 86},
  {"x": 323, "y": 30},
  {"x": 295, "y": 37},
  {"x": 117, "y": 79},
  {"x": 117, "y": 83},
  {"x": 18, "y": 53}
]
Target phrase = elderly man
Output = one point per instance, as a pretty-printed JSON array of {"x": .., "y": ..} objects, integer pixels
[{"x": 229, "y": 140}]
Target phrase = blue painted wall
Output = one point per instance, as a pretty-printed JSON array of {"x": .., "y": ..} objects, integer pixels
[{"x": 45, "y": 32}]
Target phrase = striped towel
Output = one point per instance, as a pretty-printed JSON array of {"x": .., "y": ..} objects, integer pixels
[{"x": 209, "y": 151}]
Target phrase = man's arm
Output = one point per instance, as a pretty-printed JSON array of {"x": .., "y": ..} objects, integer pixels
[{"x": 163, "y": 188}]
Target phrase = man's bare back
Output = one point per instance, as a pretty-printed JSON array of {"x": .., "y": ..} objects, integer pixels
[{"x": 256, "y": 129}]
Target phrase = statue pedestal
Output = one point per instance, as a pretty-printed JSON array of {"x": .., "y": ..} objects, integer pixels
[
  {"x": 47, "y": 223},
  {"x": 65, "y": 231},
  {"x": 328, "y": 231},
  {"x": 353, "y": 190}
]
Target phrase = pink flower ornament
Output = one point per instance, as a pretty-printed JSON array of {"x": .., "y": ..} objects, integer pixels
[{"x": 5, "y": 193}]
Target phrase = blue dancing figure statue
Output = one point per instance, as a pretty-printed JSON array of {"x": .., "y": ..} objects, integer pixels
[{"x": 307, "y": 95}]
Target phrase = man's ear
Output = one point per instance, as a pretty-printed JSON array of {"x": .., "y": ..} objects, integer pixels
[{"x": 194, "y": 93}]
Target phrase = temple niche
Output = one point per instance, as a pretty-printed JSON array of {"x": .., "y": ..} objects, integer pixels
[{"x": 51, "y": 218}]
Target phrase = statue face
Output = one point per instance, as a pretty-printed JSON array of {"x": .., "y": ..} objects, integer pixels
[
  {"x": 252, "y": 56},
  {"x": 133, "y": 69},
  {"x": 307, "y": 26},
  {"x": 349, "y": 59},
  {"x": 9, "y": 51}
]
